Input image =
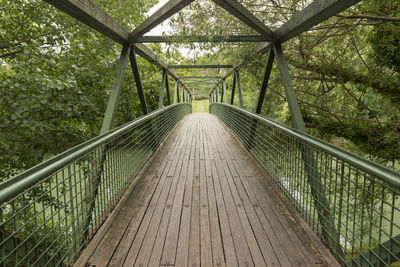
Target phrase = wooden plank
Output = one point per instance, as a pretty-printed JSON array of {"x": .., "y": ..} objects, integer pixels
[
  {"x": 238, "y": 203},
  {"x": 137, "y": 227},
  {"x": 215, "y": 230},
  {"x": 194, "y": 240},
  {"x": 131, "y": 205},
  {"x": 205, "y": 232},
  {"x": 182, "y": 253},
  {"x": 173, "y": 205},
  {"x": 255, "y": 223},
  {"x": 143, "y": 243},
  {"x": 150, "y": 255},
  {"x": 288, "y": 238},
  {"x": 171, "y": 241},
  {"x": 166, "y": 11},
  {"x": 241, "y": 246}
]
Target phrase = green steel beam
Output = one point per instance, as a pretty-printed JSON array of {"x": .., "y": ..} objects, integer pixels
[
  {"x": 166, "y": 11},
  {"x": 138, "y": 81},
  {"x": 91, "y": 15},
  {"x": 176, "y": 89},
  {"x": 313, "y": 14},
  {"x": 168, "y": 93},
  {"x": 199, "y": 82},
  {"x": 329, "y": 233},
  {"x": 224, "y": 92},
  {"x": 267, "y": 73},
  {"x": 199, "y": 66},
  {"x": 199, "y": 77},
  {"x": 183, "y": 95},
  {"x": 233, "y": 89},
  {"x": 108, "y": 120},
  {"x": 243, "y": 14},
  {"x": 217, "y": 89},
  {"x": 163, "y": 81},
  {"x": 295, "y": 112},
  {"x": 201, "y": 39},
  {"x": 239, "y": 89}
]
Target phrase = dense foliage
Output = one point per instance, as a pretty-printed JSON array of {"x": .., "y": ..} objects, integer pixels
[{"x": 55, "y": 78}]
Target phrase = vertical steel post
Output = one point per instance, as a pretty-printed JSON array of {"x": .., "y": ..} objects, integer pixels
[
  {"x": 94, "y": 179},
  {"x": 138, "y": 81},
  {"x": 233, "y": 89},
  {"x": 267, "y": 73},
  {"x": 294, "y": 108},
  {"x": 224, "y": 92},
  {"x": 176, "y": 92},
  {"x": 183, "y": 94},
  {"x": 329, "y": 232},
  {"x": 239, "y": 88},
  {"x": 217, "y": 88},
  {"x": 108, "y": 120},
  {"x": 167, "y": 87},
  {"x": 164, "y": 78}
]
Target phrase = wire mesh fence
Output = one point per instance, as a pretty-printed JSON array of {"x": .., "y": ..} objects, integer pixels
[
  {"x": 50, "y": 212},
  {"x": 349, "y": 202}
]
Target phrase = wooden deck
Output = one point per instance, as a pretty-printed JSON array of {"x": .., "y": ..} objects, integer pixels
[{"x": 203, "y": 202}]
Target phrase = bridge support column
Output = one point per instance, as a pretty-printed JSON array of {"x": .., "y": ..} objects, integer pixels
[
  {"x": 239, "y": 88},
  {"x": 183, "y": 95},
  {"x": 267, "y": 73},
  {"x": 224, "y": 92},
  {"x": 233, "y": 89},
  {"x": 261, "y": 96},
  {"x": 163, "y": 81},
  {"x": 93, "y": 183},
  {"x": 108, "y": 120},
  {"x": 176, "y": 92},
  {"x": 167, "y": 87},
  {"x": 329, "y": 233},
  {"x": 138, "y": 81},
  {"x": 217, "y": 88}
]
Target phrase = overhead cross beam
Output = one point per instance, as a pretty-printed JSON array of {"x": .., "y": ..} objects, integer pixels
[
  {"x": 166, "y": 11},
  {"x": 313, "y": 14},
  {"x": 243, "y": 14},
  {"x": 90, "y": 14},
  {"x": 201, "y": 39},
  {"x": 200, "y": 66}
]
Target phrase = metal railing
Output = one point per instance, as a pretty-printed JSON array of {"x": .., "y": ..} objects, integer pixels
[
  {"x": 352, "y": 204},
  {"x": 50, "y": 212}
]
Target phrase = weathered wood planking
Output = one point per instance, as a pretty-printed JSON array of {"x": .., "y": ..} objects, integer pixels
[{"x": 203, "y": 202}]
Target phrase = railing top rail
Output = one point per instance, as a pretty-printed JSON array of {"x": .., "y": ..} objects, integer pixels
[
  {"x": 32, "y": 176},
  {"x": 381, "y": 172}
]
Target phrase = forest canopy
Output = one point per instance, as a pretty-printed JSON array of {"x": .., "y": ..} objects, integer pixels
[{"x": 56, "y": 74}]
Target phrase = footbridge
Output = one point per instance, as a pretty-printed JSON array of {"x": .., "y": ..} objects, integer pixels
[{"x": 228, "y": 188}]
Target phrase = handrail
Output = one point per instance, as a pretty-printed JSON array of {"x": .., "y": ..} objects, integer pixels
[
  {"x": 383, "y": 173},
  {"x": 351, "y": 203},
  {"x": 49, "y": 212},
  {"x": 30, "y": 177}
]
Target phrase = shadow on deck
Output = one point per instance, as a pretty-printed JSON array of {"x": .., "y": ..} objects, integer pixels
[{"x": 202, "y": 201}]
